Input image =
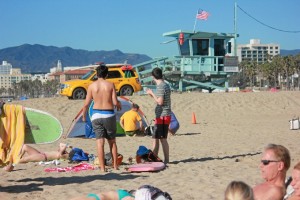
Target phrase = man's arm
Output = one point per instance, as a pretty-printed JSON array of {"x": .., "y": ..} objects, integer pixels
[
  {"x": 141, "y": 125},
  {"x": 158, "y": 100},
  {"x": 87, "y": 102},
  {"x": 122, "y": 122},
  {"x": 115, "y": 100}
]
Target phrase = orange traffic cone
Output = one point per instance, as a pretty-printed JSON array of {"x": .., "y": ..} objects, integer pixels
[{"x": 194, "y": 118}]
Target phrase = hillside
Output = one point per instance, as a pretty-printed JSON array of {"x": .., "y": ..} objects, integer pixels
[
  {"x": 289, "y": 52},
  {"x": 38, "y": 58}
]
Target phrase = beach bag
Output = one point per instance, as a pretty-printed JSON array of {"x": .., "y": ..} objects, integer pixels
[
  {"x": 144, "y": 154},
  {"x": 108, "y": 161},
  {"x": 155, "y": 193},
  {"x": 149, "y": 130},
  {"x": 78, "y": 155},
  {"x": 174, "y": 124}
]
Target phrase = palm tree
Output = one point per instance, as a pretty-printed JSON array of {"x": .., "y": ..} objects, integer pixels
[
  {"x": 51, "y": 87},
  {"x": 36, "y": 88},
  {"x": 276, "y": 67},
  {"x": 297, "y": 68},
  {"x": 288, "y": 69},
  {"x": 249, "y": 68},
  {"x": 2, "y": 90}
]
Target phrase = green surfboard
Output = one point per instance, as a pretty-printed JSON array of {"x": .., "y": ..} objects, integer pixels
[{"x": 41, "y": 127}]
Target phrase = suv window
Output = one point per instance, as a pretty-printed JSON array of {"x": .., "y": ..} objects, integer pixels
[
  {"x": 87, "y": 75},
  {"x": 129, "y": 73},
  {"x": 114, "y": 74}
]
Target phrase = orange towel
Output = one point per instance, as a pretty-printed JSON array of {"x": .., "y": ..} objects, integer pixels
[{"x": 12, "y": 133}]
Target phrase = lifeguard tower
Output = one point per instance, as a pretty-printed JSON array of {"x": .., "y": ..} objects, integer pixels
[{"x": 205, "y": 61}]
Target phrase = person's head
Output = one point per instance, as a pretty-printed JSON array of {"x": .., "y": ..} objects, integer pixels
[
  {"x": 65, "y": 155},
  {"x": 296, "y": 179},
  {"x": 157, "y": 73},
  {"x": 238, "y": 190},
  {"x": 148, "y": 192},
  {"x": 102, "y": 71},
  {"x": 135, "y": 107},
  {"x": 275, "y": 160}
]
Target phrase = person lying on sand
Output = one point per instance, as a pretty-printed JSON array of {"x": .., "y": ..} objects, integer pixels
[
  {"x": 109, "y": 195},
  {"x": 145, "y": 192},
  {"x": 30, "y": 154}
]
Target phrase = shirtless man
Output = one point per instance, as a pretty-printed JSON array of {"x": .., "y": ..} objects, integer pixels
[
  {"x": 30, "y": 154},
  {"x": 103, "y": 118},
  {"x": 274, "y": 164}
]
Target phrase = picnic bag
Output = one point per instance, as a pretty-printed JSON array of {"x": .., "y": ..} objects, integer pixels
[
  {"x": 78, "y": 155},
  {"x": 144, "y": 154}
]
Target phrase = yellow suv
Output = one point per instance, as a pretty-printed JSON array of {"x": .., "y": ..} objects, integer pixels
[{"x": 124, "y": 77}]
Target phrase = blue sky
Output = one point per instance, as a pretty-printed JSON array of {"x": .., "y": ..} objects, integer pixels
[{"x": 136, "y": 26}]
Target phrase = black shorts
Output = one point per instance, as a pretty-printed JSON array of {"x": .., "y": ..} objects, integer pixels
[
  {"x": 161, "y": 127},
  {"x": 105, "y": 127}
]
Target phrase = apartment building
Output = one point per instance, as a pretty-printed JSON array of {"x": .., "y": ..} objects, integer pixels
[
  {"x": 255, "y": 51},
  {"x": 9, "y": 75}
]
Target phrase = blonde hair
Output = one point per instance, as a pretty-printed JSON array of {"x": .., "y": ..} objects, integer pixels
[{"x": 238, "y": 190}]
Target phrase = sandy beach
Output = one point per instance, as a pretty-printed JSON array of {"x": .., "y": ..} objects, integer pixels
[{"x": 224, "y": 145}]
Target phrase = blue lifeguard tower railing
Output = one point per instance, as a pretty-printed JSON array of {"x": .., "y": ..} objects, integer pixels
[{"x": 205, "y": 61}]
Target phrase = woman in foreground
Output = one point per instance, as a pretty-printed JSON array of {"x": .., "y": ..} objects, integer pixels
[{"x": 145, "y": 192}]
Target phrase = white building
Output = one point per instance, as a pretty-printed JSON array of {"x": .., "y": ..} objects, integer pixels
[
  {"x": 57, "y": 68},
  {"x": 255, "y": 51},
  {"x": 14, "y": 75},
  {"x": 5, "y": 68},
  {"x": 42, "y": 77}
]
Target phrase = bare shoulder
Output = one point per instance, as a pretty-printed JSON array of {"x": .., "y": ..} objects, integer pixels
[
  {"x": 268, "y": 191},
  {"x": 276, "y": 192},
  {"x": 109, "y": 83},
  {"x": 93, "y": 85}
]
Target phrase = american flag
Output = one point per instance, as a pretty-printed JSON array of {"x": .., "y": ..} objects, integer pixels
[{"x": 203, "y": 15}]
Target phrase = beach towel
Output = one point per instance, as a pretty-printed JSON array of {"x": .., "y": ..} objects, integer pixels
[
  {"x": 12, "y": 133},
  {"x": 76, "y": 168}
]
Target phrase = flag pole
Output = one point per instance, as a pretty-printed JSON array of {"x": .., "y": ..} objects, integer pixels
[
  {"x": 195, "y": 22},
  {"x": 235, "y": 28}
]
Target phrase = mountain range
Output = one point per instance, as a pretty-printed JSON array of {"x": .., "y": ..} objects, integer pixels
[
  {"x": 39, "y": 59},
  {"x": 289, "y": 52}
]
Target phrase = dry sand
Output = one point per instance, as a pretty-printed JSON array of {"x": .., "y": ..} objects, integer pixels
[{"x": 224, "y": 145}]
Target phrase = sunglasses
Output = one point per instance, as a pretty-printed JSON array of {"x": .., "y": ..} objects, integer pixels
[{"x": 266, "y": 162}]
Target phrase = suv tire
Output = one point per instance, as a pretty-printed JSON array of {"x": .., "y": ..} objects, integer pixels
[
  {"x": 126, "y": 90},
  {"x": 79, "y": 93}
]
